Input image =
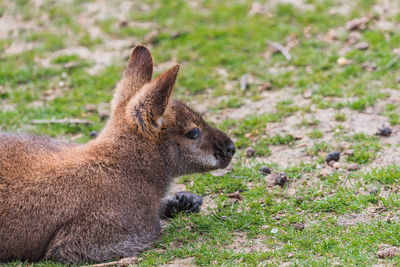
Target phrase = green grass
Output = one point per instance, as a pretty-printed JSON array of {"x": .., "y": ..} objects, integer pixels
[
  {"x": 340, "y": 117},
  {"x": 216, "y": 43},
  {"x": 365, "y": 148}
]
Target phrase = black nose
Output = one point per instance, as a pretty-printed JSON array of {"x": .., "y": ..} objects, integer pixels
[{"x": 230, "y": 149}]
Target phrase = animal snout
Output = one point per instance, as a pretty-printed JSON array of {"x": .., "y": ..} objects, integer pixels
[
  {"x": 230, "y": 149},
  {"x": 224, "y": 148},
  {"x": 224, "y": 152}
]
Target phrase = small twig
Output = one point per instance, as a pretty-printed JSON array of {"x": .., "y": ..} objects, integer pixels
[
  {"x": 62, "y": 121},
  {"x": 235, "y": 195},
  {"x": 342, "y": 184},
  {"x": 281, "y": 49},
  {"x": 111, "y": 263},
  {"x": 122, "y": 262}
]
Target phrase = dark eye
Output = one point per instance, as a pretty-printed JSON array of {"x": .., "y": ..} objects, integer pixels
[{"x": 193, "y": 134}]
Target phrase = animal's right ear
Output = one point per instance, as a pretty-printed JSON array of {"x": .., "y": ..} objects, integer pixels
[
  {"x": 138, "y": 72},
  {"x": 146, "y": 108}
]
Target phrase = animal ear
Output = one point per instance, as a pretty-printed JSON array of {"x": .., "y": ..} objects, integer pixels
[
  {"x": 138, "y": 72},
  {"x": 140, "y": 66},
  {"x": 149, "y": 104}
]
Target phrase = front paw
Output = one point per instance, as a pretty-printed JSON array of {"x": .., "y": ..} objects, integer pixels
[{"x": 183, "y": 202}]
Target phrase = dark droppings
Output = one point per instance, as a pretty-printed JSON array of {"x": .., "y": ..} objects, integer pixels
[
  {"x": 265, "y": 170},
  {"x": 280, "y": 179},
  {"x": 333, "y": 156},
  {"x": 384, "y": 131},
  {"x": 250, "y": 152}
]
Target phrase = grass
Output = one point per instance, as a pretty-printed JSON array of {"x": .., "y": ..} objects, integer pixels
[{"x": 216, "y": 43}]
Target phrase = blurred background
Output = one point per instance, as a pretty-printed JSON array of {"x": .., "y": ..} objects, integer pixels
[{"x": 62, "y": 59}]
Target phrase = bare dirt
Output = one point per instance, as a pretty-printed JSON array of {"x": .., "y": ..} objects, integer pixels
[
  {"x": 188, "y": 262},
  {"x": 242, "y": 244}
]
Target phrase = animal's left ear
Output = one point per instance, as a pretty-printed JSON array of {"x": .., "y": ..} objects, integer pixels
[
  {"x": 147, "y": 107},
  {"x": 140, "y": 68},
  {"x": 138, "y": 72}
]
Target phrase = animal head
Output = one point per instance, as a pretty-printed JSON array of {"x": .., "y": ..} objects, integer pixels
[{"x": 145, "y": 108}]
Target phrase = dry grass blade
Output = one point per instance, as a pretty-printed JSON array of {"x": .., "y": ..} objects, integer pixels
[
  {"x": 281, "y": 49},
  {"x": 122, "y": 262}
]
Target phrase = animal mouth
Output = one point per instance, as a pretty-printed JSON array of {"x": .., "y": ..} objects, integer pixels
[
  {"x": 224, "y": 163},
  {"x": 223, "y": 157}
]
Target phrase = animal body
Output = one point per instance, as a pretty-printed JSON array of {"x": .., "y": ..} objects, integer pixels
[{"x": 103, "y": 200}]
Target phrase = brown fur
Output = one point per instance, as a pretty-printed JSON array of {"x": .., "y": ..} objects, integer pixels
[{"x": 101, "y": 200}]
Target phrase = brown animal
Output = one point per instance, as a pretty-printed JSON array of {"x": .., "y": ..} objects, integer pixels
[{"x": 103, "y": 200}]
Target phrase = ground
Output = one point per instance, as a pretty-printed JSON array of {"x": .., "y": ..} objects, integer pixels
[{"x": 338, "y": 83}]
